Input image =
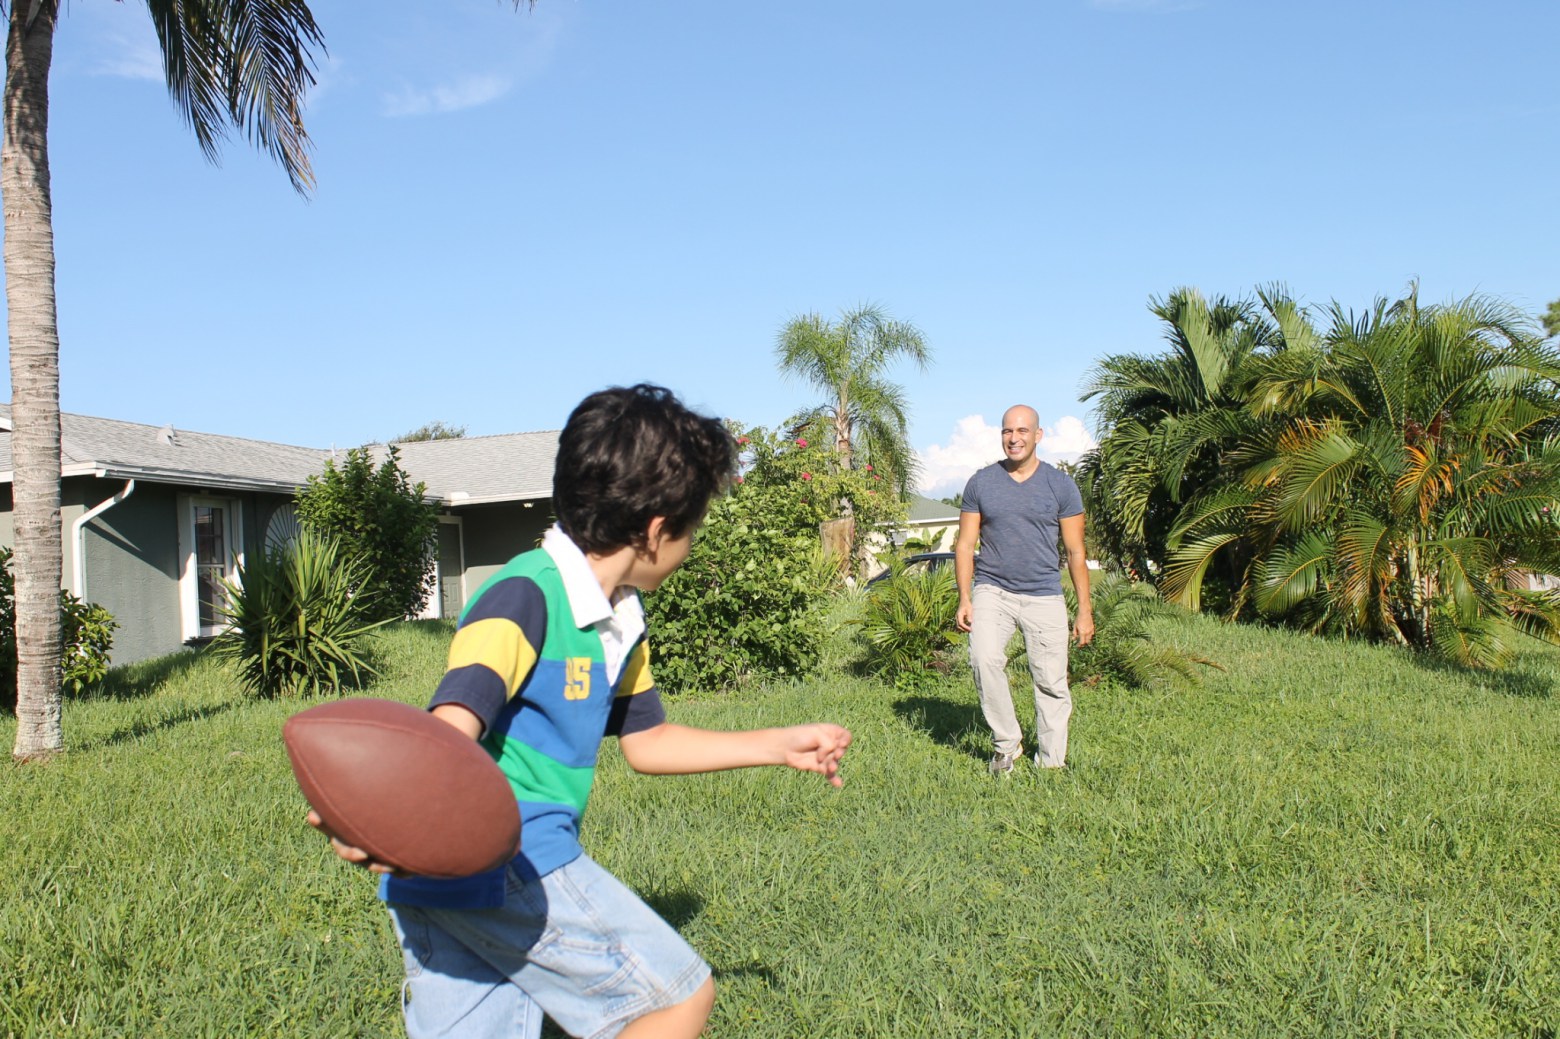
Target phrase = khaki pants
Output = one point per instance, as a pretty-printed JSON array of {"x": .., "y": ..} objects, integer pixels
[{"x": 1043, "y": 620}]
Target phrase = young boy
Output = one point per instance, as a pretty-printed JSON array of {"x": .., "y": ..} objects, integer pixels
[{"x": 550, "y": 657}]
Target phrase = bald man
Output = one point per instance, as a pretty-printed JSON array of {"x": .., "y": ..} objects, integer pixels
[{"x": 1017, "y": 510}]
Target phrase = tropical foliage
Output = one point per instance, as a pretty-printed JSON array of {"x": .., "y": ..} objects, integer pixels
[
  {"x": 438, "y": 429},
  {"x": 1394, "y": 475},
  {"x": 818, "y": 485},
  {"x": 298, "y": 619},
  {"x": 908, "y": 625},
  {"x": 866, "y": 415},
  {"x": 1167, "y": 420},
  {"x": 1124, "y": 648},
  {"x": 379, "y": 515}
]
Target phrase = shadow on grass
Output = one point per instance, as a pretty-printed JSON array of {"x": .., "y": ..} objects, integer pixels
[
  {"x": 677, "y": 908},
  {"x": 134, "y": 681},
  {"x": 953, "y": 725},
  {"x": 1528, "y": 677},
  {"x": 151, "y": 725}
]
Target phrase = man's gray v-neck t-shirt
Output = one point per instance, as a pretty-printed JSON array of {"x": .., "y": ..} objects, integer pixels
[{"x": 1020, "y": 525}]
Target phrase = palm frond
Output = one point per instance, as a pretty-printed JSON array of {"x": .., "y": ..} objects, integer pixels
[
  {"x": 1535, "y": 614},
  {"x": 1463, "y": 567},
  {"x": 810, "y": 349},
  {"x": 1481, "y": 641},
  {"x": 1292, "y": 573},
  {"x": 1318, "y": 461},
  {"x": 248, "y": 63},
  {"x": 1365, "y": 568},
  {"x": 1188, "y": 566}
]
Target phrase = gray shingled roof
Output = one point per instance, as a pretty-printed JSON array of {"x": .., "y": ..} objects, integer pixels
[
  {"x": 513, "y": 467},
  {"x": 470, "y": 470},
  {"x": 928, "y": 510}
]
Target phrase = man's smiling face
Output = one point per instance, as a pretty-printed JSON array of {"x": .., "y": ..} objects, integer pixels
[{"x": 1020, "y": 435}]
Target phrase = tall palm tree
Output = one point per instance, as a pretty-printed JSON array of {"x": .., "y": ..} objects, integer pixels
[
  {"x": 866, "y": 414},
  {"x": 244, "y": 63}
]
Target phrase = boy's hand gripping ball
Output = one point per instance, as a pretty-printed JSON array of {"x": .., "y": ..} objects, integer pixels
[{"x": 407, "y": 788}]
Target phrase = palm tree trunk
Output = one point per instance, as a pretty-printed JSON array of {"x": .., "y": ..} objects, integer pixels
[
  {"x": 35, "y": 376},
  {"x": 842, "y": 430}
]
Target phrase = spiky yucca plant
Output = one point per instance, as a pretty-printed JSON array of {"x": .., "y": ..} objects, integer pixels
[{"x": 294, "y": 624}]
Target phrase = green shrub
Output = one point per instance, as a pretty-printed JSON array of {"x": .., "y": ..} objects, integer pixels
[
  {"x": 748, "y": 600},
  {"x": 380, "y": 516},
  {"x": 298, "y": 618},
  {"x": 813, "y": 488},
  {"x": 86, "y": 636},
  {"x": 908, "y": 624},
  {"x": 88, "y": 633}
]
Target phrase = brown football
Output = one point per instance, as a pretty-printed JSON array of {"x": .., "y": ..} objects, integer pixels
[{"x": 411, "y": 790}]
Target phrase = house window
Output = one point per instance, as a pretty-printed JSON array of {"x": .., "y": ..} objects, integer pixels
[{"x": 210, "y": 537}]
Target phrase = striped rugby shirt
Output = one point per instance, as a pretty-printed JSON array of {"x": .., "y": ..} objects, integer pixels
[{"x": 551, "y": 666}]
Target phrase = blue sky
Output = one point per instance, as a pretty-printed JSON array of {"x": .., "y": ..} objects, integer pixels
[{"x": 516, "y": 208}]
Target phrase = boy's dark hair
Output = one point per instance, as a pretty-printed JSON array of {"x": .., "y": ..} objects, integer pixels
[{"x": 629, "y": 454}]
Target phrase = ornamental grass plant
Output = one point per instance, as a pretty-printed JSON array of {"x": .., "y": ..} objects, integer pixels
[{"x": 299, "y": 619}]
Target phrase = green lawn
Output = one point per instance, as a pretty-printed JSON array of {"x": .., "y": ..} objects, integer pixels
[{"x": 1322, "y": 839}]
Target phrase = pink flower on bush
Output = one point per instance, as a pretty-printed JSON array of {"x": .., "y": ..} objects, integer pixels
[
  {"x": 807, "y": 476},
  {"x": 801, "y": 443},
  {"x": 742, "y": 440},
  {"x": 739, "y": 479},
  {"x": 869, "y": 468},
  {"x": 875, "y": 476}
]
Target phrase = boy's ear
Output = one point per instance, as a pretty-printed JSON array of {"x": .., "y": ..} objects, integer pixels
[{"x": 654, "y": 533}]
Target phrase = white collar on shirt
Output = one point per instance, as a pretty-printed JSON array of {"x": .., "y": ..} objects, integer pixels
[{"x": 619, "y": 620}]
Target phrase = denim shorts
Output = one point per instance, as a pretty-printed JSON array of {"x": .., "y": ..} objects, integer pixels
[{"x": 576, "y": 945}]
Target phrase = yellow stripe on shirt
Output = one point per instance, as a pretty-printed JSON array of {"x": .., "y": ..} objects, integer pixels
[
  {"x": 636, "y": 672},
  {"x": 497, "y": 644}
]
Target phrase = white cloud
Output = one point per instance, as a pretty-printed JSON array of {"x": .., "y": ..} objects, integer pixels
[
  {"x": 468, "y": 92},
  {"x": 125, "y": 49},
  {"x": 975, "y": 442},
  {"x": 1067, "y": 440}
]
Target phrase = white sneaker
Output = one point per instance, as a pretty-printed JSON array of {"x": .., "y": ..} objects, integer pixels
[{"x": 1002, "y": 764}]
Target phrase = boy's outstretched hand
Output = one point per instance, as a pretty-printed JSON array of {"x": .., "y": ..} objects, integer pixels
[
  {"x": 817, "y": 748},
  {"x": 668, "y": 749}
]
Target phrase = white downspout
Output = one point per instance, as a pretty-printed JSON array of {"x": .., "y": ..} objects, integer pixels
[{"x": 78, "y": 536}]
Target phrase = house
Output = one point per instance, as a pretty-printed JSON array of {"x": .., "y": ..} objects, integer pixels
[
  {"x": 152, "y": 517},
  {"x": 934, "y": 524},
  {"x": 929, "y": 526}
]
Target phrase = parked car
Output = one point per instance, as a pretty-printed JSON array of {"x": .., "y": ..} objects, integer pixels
[{"x": 921, "y": 562}]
